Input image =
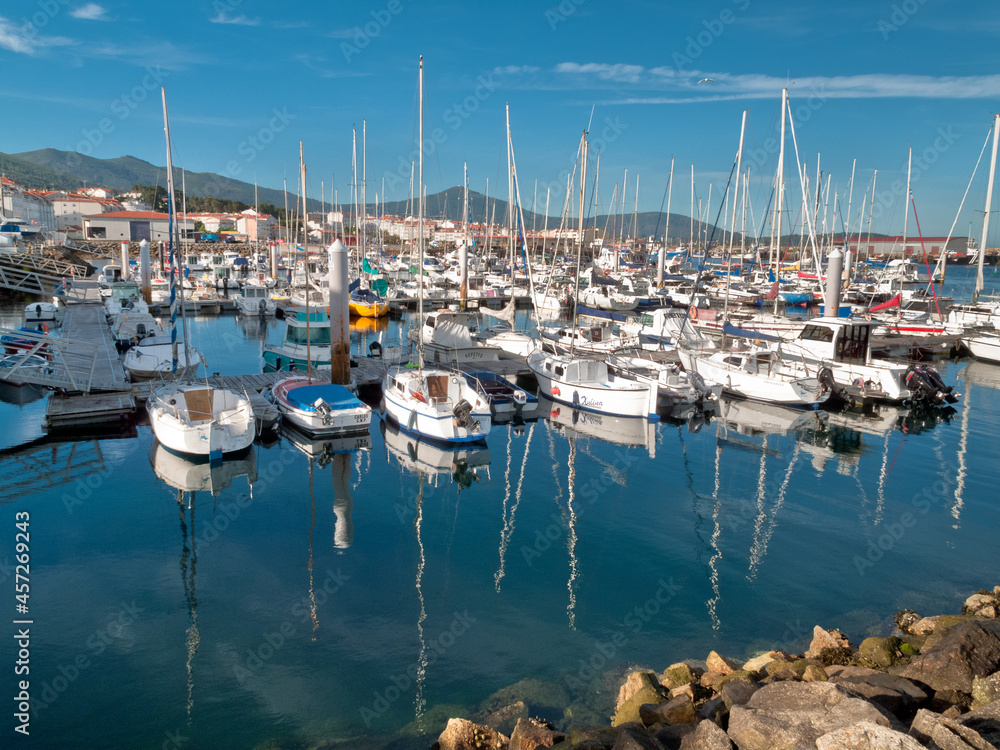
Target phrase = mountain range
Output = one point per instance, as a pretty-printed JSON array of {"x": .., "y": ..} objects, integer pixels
[{"x": 53, "y": 169}]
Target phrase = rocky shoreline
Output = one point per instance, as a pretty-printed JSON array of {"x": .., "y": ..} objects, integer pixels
[{"x": 934, "y": 684}]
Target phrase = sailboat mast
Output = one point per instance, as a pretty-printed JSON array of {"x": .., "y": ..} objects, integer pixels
[
  {"x": 986, "y": 214},
  {"x": 906, "y": 201},
  {"x": 176, "y": 269},
  {"x": 662, "y": 259},
  {"x": 420, "y": 210},
  {"x": 579, "y": 252},
  {"x": 305, "y": 235},
  {"x": 510, "y": 201}
]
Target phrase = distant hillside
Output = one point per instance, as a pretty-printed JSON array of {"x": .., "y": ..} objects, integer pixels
[
  {"x": 67, "y": 170},
  {"x": 35, "y": 176},
  {"x": 123, "y": 172}
]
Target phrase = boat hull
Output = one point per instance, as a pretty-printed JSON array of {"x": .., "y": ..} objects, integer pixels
[
  {"x": 803, "y": 393},
  {"x": 226, "y": 426},
  {"x": 343, "y": 413},
  {"x": 435, "y": 420}
]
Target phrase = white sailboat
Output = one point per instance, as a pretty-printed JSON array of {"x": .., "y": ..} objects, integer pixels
[
  {"x": 433, "y": 403},
  {"x": 195, "y": 418}
]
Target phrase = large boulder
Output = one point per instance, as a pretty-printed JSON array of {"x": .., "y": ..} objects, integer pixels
[
  {"x": 985, "y": 720},
  {"x": 707, "y": 736},
  {"x": 642, "y": 680},
  {"x": 679, "y": 710},
  {"x": 983, "y": 604},
  {"x": 633, "y": 739},
  {"x": 867, "y": 736},
  {"x": 461, "y": 734},
  {"x": 721, "y": 664},
  {"x": 897, "y": 695},
  {"x": 985, "y": 690},
  {"x": 530, "y": 734},
  {"x": 880, "y": 653},
  {"x": 629, "y": 710},
  {"x": 943, "y": 733},
  {"x": 825, "y": 639},
  {"x": 679, "y": 674},
  {"x": 758, "y": 663},
  {"x": 967, "y": 650},
  {"x": 787, "y": 715}
]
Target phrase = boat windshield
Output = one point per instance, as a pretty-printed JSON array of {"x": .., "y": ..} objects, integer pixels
[{"x": 298, "y": 335}]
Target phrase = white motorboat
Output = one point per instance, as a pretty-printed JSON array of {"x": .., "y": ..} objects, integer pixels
[
  {"x": 255, "y": 299},
  {"x": 435, "y": 404},
  {"x": 985, "y": 346},
  {"x": 755, "y": 373},
  {"x": 676, "y": 387},
  {"x": 447, "y": 338},
  {"x": 200, "y": 420},
  {"x": 320, "y": 409},
  {"x": 588, "y": 340},
  {"x": 153, "y": 358},
  {"x": 41, "y": 312},
  {"x": 843, "y": 346},
  {"x": 589, "y": 385},
  {"x": 124, "y": 295},
  {"x": 129, "y": 328}
]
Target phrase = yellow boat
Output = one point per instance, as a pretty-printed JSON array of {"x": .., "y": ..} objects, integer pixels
[{"x": 366, "y": 304}]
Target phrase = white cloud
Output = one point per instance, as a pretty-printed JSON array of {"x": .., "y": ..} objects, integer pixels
[
  {"x": 618, "y": 72},
  {"x": 240, "y": 20},
  {"x": 90, "y": 12},
  {"x": 513, "y": 70},
  {"x": 25, "y": 40}
]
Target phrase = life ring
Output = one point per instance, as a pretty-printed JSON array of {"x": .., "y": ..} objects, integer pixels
[
  {"x": 693, "y": 313},
  {"x": 419, "y": 397}
]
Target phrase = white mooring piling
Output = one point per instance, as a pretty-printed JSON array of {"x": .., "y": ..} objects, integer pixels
[
  {"x": 834, "y": 274},
  {"x": 145, "y": 274},
  {"x": 340, "y": 316}
]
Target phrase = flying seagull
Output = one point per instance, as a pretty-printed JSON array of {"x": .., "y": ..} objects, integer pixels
[{"x": 707, "y": 80}]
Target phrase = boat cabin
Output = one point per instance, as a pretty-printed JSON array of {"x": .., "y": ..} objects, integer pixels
[
  {"x": 838, "y": 339},
  {"x": 252, "y": 291},
  {"x": 313, "y": 328},
  {"x": 581, "y": 371}
]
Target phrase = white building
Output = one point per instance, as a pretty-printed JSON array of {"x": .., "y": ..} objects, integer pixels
[
  {"x": 256, "y": 227},
  {"x": 70, "y": 208},
  {"x": 30, "y": 206},
  {"x": 132, "y": 225}
]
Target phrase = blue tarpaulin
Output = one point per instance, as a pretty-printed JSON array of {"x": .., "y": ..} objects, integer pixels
[{"x": 730, "y": 330}]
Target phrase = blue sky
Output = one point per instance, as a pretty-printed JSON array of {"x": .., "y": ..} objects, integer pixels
[{"x": 246, "y": 80}]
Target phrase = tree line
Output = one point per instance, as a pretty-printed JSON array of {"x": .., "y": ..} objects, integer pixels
[{"x": 156, "y": 196}]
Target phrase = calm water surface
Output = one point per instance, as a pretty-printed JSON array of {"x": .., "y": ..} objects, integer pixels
[{"x": 310, "y": 592}]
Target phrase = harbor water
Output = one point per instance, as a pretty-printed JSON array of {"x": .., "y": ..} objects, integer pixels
[{"x": 361, "y": 592}]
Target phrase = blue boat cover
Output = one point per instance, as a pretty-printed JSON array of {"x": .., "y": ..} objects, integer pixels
[
  {"x": 604, "y": 280},
  {"x": 337, "y": 396},
  {"x": 730, "y": 330},
  {"x": 592, "y": 312}
]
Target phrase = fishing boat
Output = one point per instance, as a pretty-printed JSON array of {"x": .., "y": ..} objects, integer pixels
[
  {"x": 255, "y": 299},
  {"x": 129, "y": 328},
  {"x": 306, "y": 342},
  {"x": 843, "y": 347},
  {"x": 585, "y": 340},
  {"x": 124, "y": 295},
  {"x": 366, "y": 303},
  {"x": 320, "y": 409}
]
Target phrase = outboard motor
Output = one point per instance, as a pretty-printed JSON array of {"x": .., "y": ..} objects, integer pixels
[
  {"x": 827, "y": 383},
  {"x": 262, "y": 309},
  {"x": 698, "y": 383},
  {"x": 926, "y": 386},
  {"x": 462, "y": 413}
]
